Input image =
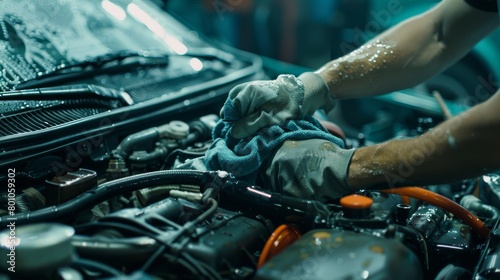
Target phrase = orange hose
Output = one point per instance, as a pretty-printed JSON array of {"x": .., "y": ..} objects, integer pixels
[
  {"x": 405, "y": 199},
  {"x": 281, "y": 238},
  {"x": 447, "y": 204}
]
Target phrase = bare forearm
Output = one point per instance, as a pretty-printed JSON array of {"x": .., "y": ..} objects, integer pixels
[
  {"x": 463, "y": 147},
  {"x": 408, "y": 53},
  {"x": 380, "y": 66}
]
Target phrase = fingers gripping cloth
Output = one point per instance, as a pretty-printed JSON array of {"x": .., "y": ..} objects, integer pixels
[
  {"x": 264, "y": 103},
  {"x": 272, "y": 102},
  {"x": 244, "y": 157}
]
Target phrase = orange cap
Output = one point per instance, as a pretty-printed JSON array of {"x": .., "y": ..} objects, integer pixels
[{"x": 356, "y": 201}]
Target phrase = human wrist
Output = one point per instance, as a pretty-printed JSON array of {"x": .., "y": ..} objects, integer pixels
[
  {"x": 316, "y": 93},
  {"x": 364, "y": 172},
  {"x": 343, "y": 161}
]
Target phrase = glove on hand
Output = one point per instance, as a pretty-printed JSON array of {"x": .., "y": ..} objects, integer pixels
[
  {"x": 266, "y": 103},
  {"x": 310, "y": 169}
]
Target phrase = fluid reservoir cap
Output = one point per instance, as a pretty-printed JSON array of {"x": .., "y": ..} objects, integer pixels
[
  {"x": 36, "y": 248},
  {"x": 356, "y": 201},
  {"x": 174, "y": 129}
]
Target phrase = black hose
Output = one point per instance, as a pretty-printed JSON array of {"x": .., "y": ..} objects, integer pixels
[
  {"x": 145, "y": 157},
  {"x": 420, "y": 245},
  {"x": 126, "y": 147},
  {"x": 69, "y": 209},
  {"x": 482, "y": 209},
  {"x": 97, "y": 266},
  {"x": 241, "y": 196}
]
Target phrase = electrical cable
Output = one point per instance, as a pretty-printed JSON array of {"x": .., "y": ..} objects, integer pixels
[
  {"x": 192, "y": 269},
  {"x": 160, "y": 250},
  {"x": 164, "y": 244},
  {"x": 182, "y": 231},
  {"x": 204, "y": 269},
  {"x": 153, "y": 258},
  {"x": 416, "y": 235},
  {"x": 209, "y": 269}
]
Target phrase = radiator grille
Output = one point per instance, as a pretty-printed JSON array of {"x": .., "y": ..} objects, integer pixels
[{"x": 41, "y": 118}]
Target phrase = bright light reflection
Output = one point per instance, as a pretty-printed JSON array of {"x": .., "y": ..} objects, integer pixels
[
  {"x": 196, "y": 64},
  {"x": 258, "y": 192},
  {"x": 153, "y": 25},
  {"x": 9, "y": 241},
  {"x": 114, "y": 10}
]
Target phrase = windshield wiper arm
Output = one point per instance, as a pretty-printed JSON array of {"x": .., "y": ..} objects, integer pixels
[
  {"x": 81, "y": 91},
  {"x": 110, "y": 62}
]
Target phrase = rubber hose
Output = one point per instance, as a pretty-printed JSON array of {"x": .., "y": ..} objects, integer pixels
[
  {"x": 447, "y": 204},
  {"x": 146, "y": 157},
  {"x": 128, "y": 144},
  {"x": 482, "y": 209}
]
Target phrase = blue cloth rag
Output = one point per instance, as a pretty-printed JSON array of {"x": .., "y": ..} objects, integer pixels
[{"x": 243, "y": 157}]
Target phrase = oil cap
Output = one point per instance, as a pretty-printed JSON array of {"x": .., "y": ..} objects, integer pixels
[
  {"x": 36, "y": 249},
  {"x": 356, "y": 206}
]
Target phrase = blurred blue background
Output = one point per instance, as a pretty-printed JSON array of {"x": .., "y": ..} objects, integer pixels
[{"x": 309, "y": 33}]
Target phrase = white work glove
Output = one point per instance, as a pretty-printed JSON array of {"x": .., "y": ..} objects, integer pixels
[
  {"x": 310, "y": 169},
  {"x": 266, "y": 103}
]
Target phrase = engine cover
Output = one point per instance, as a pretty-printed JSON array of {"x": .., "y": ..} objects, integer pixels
[{"x": 333, "y": 254}]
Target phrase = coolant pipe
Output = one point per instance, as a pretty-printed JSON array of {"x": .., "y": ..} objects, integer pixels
[
  {"x": 174, "y": 129},
  {"x": 145, "y": 157},
  {"x": 447, "y": 204},
  {"x": 199, "y": 129},
  {"x": 128, "y": 144},
  {"x": 70, "y": 209}
]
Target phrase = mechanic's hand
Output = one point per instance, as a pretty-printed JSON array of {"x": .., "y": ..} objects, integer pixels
[
  {"x": 265, "y": 103},
  {"x": 311, "y": 169}
]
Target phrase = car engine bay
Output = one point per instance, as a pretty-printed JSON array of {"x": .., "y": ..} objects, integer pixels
[{"x": 103, "y": 178}]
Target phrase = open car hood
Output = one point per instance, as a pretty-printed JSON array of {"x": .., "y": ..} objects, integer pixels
[
  {"x": 38, "y": 36},
  {"x": 47, "y": 103}
]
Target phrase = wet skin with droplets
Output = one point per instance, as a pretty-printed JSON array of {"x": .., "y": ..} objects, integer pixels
[{"x": 365, "y": 62}]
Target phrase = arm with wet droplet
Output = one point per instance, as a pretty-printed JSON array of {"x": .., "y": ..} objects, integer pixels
[
  {"x": 410, "y": 52},
  {"x": 464, "y": 146},
  {"x": 400, "y": 57}
]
